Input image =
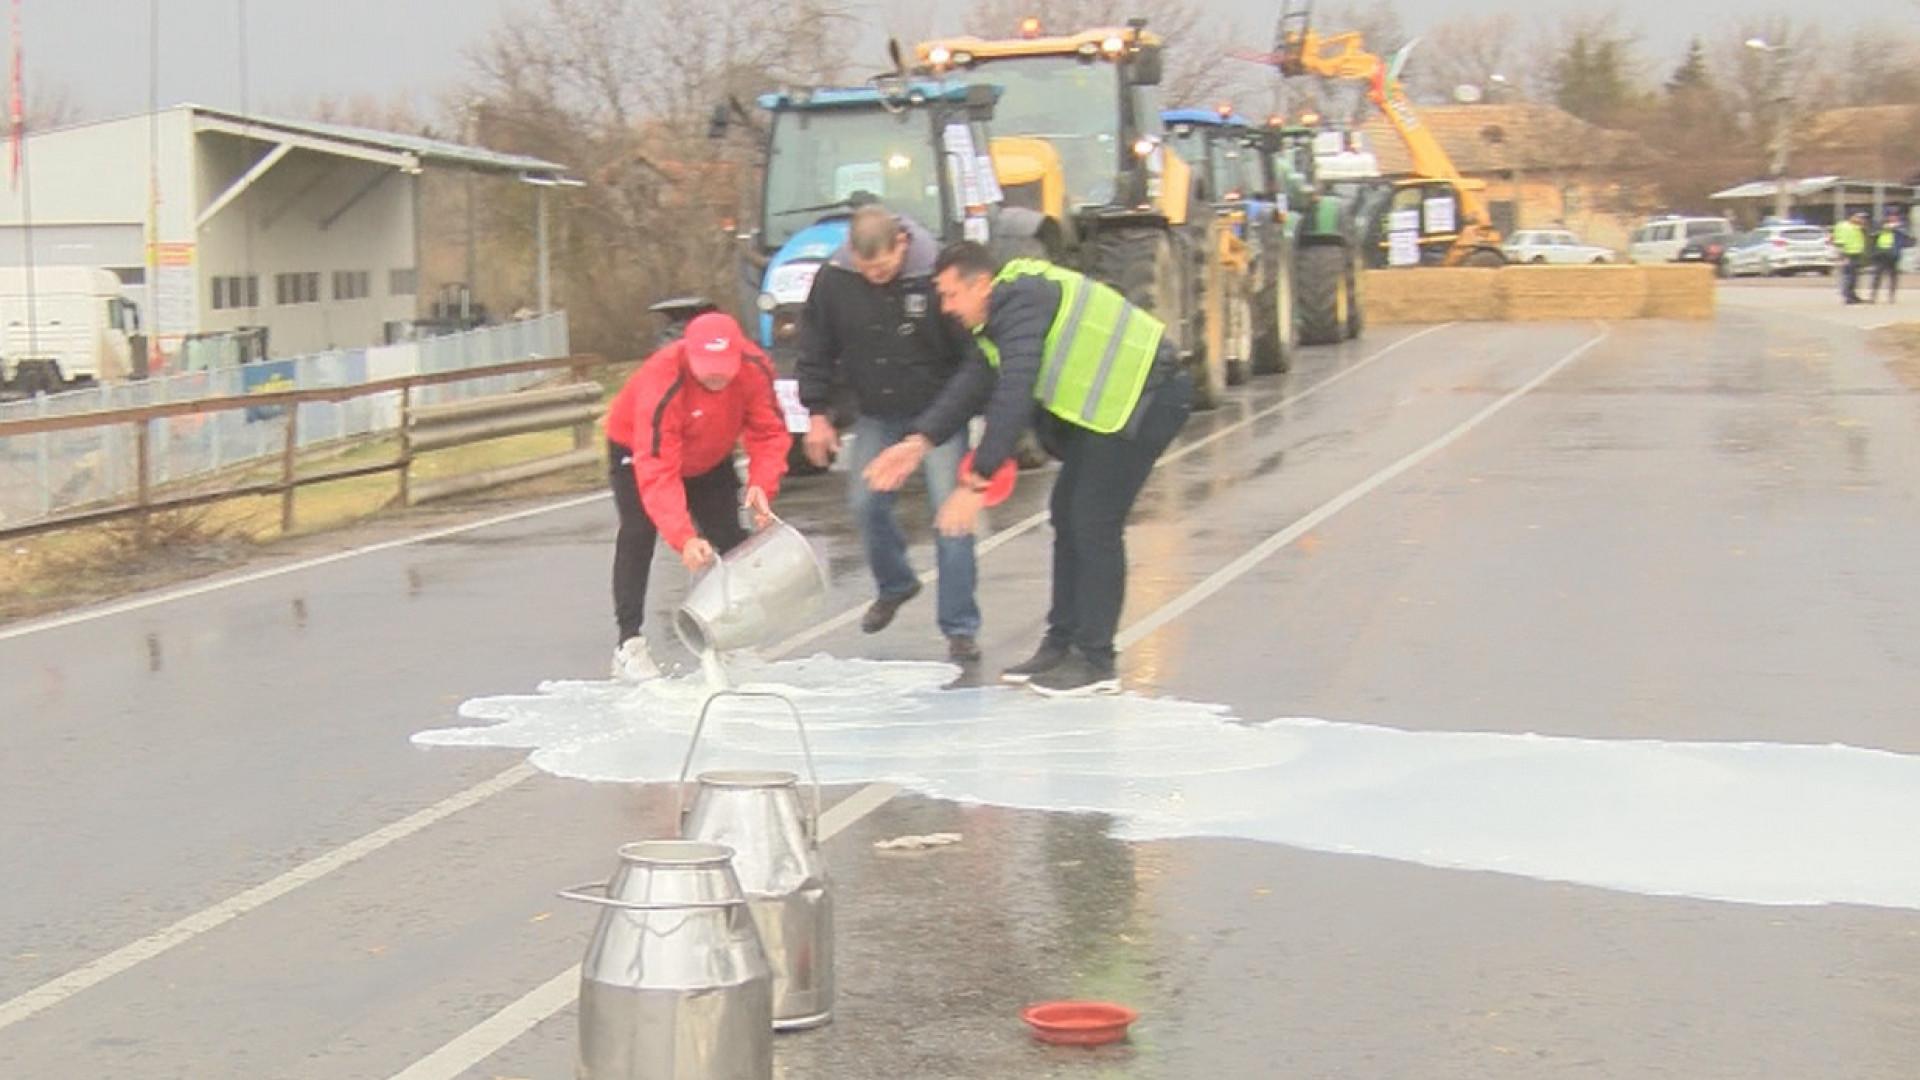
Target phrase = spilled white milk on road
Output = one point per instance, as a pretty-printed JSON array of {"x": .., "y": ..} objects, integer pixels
[{"x": 1748, "y": 822}]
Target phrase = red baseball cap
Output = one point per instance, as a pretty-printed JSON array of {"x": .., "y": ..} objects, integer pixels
[{"x": 713, "y": 346}]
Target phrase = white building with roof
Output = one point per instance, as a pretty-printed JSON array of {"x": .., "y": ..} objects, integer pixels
[{"x": 214, "y": 220}]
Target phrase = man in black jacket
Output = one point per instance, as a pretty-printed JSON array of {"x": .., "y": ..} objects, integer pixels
[
  {"x": 872, "y": 328},
  {"x": 1103, "y": 387}
]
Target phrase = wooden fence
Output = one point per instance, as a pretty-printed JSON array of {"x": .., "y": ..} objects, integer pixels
[{"x": 422, "y": 429}]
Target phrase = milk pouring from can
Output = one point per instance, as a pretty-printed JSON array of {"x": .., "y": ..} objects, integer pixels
[
  {"x": 674, "y": 985},
  {"x": 776, "y": 844}
]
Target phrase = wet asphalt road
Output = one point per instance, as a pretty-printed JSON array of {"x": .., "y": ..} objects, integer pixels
[{"x": 1686, "y": 532}]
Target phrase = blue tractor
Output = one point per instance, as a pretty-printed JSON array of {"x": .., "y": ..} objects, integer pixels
[{"x": 917, "y": 146}]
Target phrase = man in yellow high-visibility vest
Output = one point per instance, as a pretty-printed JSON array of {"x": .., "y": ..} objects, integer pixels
[
  {"x": 1850, "y": 236},
  {"x": 1105, "y": 391}
]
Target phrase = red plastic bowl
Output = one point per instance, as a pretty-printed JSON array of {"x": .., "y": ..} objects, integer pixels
[
  {"x": 1079, "y": 1023},
  {"x": 999, "y": 485}
]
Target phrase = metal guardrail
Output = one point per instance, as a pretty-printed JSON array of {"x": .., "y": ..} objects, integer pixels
[{"x": 142, "y": 417}]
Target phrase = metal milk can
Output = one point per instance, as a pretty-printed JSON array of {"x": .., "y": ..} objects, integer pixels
[
  {"x": 776, "y": 845},
  {"x": 674, "y": 985}
]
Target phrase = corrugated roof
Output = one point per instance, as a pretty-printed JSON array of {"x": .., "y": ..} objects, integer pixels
[{"x": 426, "y": 150}]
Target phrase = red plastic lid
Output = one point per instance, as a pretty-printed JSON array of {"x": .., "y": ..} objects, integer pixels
[
  {"x": 1079, "y": 1023},
  {"x": 999, "y": 485}
]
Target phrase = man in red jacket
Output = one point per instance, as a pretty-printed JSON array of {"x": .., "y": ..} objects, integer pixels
[{"x": 670, "y": 438}]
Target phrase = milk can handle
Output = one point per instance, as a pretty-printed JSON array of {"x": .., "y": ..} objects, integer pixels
[
  {"x": 585, "y": 894},
  {"x": 806, "y": 750}
]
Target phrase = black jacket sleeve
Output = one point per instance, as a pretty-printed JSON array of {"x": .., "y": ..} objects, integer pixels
[
  {"x": 1018, "y": 317},
  {"x": 819, "y": 364}
]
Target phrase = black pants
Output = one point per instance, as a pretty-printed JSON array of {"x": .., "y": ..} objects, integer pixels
[
  {"x": 713, "y": 499},
  {"x": 1100, "y": 477},
  {"x": 1888, "y": 270},
  {"x": 1850, "y": 278}
]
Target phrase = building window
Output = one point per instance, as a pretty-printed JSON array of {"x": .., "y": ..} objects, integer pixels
[
  {"x": 403, "y": 282},
  {"x": 235, "y": 291},
  {"x": 296, "y": 288},
  {"x": 351, "y": 284}
]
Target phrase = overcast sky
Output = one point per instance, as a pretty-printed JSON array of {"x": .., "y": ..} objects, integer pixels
[{"x": 95, "y": 52}]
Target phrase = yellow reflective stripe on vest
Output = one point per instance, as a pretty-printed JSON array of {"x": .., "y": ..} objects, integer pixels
[{"x": 1098, "y": 350}]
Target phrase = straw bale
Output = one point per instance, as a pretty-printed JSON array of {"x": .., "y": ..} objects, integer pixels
[
  {"x": 1536, "y": 293},
  {"x": 1679, "y": 292},
  {"x": 1430, "y": 294}
]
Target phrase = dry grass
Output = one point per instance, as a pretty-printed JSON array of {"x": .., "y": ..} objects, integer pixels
[
  {"x": 85, "y": 565},
  {"x": 1902, "y": 345}
]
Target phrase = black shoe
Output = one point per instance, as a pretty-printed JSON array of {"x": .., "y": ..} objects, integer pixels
[
  {"x": 880, "y": 613},
  {"x": 1076, "y": 676},
  {"x": 1046, "y": 659},
  {"x": 963, "y": 650}
]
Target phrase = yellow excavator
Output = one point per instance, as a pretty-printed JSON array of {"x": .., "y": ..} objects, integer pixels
[{"x": 1455, "y": 227}]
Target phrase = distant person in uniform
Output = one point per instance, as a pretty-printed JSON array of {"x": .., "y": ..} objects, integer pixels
[
  {"x": 872, "y": 329},
  {"x": 671, "y": 432},
  {"x": 1890, "y": 242},
  {"x": 1850, "y": 236},
  {"x": 1107, "y": 393}
]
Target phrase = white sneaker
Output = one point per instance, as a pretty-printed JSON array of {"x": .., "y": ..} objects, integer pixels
[{"x": 632, "y": 662}]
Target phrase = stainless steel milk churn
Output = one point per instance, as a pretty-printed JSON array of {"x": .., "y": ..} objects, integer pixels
[
  {"x": 674, "y": 985},
  {"x": 776, "y": 845}
]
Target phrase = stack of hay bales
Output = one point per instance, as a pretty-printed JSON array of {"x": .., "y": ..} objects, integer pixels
[
  {"x": 1679, "y": 291},
  {"x": 1538, "y": 293},
  {"x": 1431, "y": 294}
]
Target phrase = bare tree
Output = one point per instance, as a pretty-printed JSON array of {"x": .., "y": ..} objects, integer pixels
[
  {"x": 50, "y": 104},
  {"x": 1877, "y": 65},
  {"x": 1481, "y": 51},
  {"x": 619, "y": 91}
]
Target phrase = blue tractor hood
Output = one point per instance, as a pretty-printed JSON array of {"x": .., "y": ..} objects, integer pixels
[{"x": 790, "y": 272}]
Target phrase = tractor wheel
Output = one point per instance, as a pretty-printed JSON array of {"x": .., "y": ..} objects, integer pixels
[
  {"x": 1324, "y": 301},
  {"x": 1487, "y": 258},
  {"x": 1239, "y": 341},
  {"x": 1280, "y": 335},
  {"x": 1356, "y": 298},
  {"x": 1149, "y": 268}
]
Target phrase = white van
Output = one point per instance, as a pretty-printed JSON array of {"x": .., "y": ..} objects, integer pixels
[
  {"x": 80, "y": 332},
  {"x": 1660, "y": 240}
]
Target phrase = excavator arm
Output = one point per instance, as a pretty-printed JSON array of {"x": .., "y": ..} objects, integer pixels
[{"x": 1299, "y": 50}]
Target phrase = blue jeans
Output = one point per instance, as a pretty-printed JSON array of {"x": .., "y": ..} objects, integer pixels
[{"x": 958, "y": 614}]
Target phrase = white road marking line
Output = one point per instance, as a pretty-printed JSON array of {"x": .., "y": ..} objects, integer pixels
[
  {"x": 247, "y": 578},
  {"x": 51, "y": 993},
  {"x": 1224, "y": 576},
  {"x": 65, "y": 986},
  {"x": 486, "y": 1038}
]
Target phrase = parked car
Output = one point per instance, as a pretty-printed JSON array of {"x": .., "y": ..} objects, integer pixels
[
  {"x": 1710, "y": 249},
  {"x": 1782, "y": 250},
  {"x": 1552, "y": 246},
  {"x": 1660, "y": 240}
]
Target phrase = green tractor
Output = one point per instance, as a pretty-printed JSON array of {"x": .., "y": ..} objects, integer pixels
[
  {"x": 1250, "y": 278},
  {"x": 1329, "y": 241}
]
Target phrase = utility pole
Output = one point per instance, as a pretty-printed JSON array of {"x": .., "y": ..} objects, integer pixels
[{"x": 1781, "y": 98}]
